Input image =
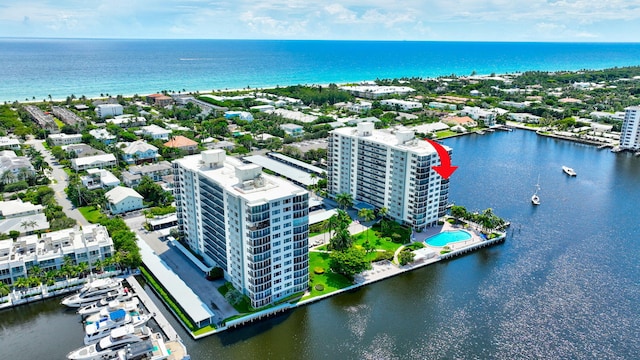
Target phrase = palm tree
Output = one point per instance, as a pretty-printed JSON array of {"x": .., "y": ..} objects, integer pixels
[
  {"x": 383, "y": 213},
  {"x": 21, "y": 283},
  {"x": 366, "y": 215},
  {"x": 4, "y": 289},
  {"x": 7, "y": 177},
  {"x": 28, "y": 224},
  {"x": 345, "y": 200},
  {"x": 314, "y": 179},
  {"x": 341, "y": 241}
]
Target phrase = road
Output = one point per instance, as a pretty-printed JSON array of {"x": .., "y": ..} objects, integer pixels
[{"x": 60, "y": 180}]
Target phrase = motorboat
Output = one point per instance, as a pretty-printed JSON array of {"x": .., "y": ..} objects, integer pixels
[
  {"x": 100, "y": 329},
  {"x": 118, "y": 338},
  {"x": 154, "y": 348},
  {"x": 122, "y": 300},
  {"x": 93, "y": 292},
  {"x": 131, "y": 307},
  {"x": 569, "y": 171},
  {"x": 535, "y": 199}
]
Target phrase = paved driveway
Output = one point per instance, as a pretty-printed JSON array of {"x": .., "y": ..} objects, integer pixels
[{"x": 185, "y": 269}]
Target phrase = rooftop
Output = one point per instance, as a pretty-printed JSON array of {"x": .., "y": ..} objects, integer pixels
[
  {"x": 245, "y": 181},
  {"x": 120, "y": 193},
  {"x": 180, "y": 141}
]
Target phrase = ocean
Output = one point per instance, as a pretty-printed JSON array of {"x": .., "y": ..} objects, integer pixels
[{"x": 34, "y": 69}]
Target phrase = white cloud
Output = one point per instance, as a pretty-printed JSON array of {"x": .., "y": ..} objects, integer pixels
[{"x": 313, "y": 19}]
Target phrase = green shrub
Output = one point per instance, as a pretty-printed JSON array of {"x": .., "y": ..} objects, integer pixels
[
  {"x": 386, "y": 255},
  {"x": 318, "y": 270},
  {"x": 319, "y": 287}
]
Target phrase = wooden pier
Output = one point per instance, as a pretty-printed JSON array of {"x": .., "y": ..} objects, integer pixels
[{"x": 151, "y": 307}]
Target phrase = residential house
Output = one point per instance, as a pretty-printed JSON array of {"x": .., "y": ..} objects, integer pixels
[
  {"x": 442, "y": 106},
  {"x": 524, "y": 117},
  {"x": 182, "y": 143},
  {"x": 460, "y": 120},
  {"x": 23, "y": 217},
  {"x": 64, "y": 139},
  {"x": 139, "y": 151},
  {"x": 359, "y": 107},
  {"x": 123, "y": 199},
  {"x": 263, "y": 108},
  {"x": 14, "y": 168},
  {"x": 9, "y": 143},
  {"x": 242, "y": 115},
  {"x": 96, "y": 161},
  {"x": 476, "y": 113},
  {"x": 159, "y": 99},
  {"x": 155, "y": 171},
  {"x": 128, "y": 120},
  {"x": 103, "y": 136},
  {"x": 401, "y": 104},
  {"x": 155, "y": 132},
  {"x": 99, "y": 178},
  {"x": 292, "y": 129}
]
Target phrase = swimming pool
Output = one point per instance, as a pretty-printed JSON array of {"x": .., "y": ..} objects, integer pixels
[{"x": 447, "y": 237}]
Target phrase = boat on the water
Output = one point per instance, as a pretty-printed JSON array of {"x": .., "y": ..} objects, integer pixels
[
  {"x": 535, "y": 199},
  {"x": 93, "y": 292},
  {"x": 154, "y": 348},
  {"x": 99, "y": 329},
  {"x": 106, "y": 313},
  {"x": 123, "y": 300},
  {"x": 108, "y": 346},
  {"x": 569, "y": 171}
]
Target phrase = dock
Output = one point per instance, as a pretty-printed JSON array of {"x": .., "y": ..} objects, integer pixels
[{"x": 151, "y": 307}]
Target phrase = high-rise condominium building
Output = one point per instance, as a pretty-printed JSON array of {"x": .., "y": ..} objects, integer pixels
[
  {"x": 252, "y": 225},
  {"x": 390, "y": 169},
  {"x": 630, "y": 134}
]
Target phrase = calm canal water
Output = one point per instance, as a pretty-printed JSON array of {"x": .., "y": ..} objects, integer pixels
[{"x": 565, "y": 284}]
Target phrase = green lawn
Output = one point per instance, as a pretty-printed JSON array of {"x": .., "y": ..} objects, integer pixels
[
  {"x": 329, "y": 280},
  {"x": 58, "y": 122},
  {"x": 92, "y": 214},
  {"x": 445, "y": 133},
  {"x": 379, "y": 243}
]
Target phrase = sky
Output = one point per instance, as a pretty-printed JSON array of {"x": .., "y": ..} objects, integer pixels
[{"x": 428, "y": 20}]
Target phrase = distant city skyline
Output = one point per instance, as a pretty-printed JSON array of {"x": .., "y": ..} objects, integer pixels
[{"x": 435, "y": 20}]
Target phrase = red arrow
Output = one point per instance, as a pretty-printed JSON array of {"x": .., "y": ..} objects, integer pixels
[{"x": 445, "y": 169}]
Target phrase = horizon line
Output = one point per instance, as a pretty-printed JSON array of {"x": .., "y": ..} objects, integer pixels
[{"x": 322, "y": 40}]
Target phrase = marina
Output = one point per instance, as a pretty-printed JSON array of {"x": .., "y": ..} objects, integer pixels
[{"x": 113, "y": 328}]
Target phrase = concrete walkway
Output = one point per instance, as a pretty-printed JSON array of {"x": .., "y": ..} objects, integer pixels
[{"x": 151, "y": 307}]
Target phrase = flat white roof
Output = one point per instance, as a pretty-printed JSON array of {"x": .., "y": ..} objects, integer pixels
[
  {"x": 297, "y": 162},
  {"x": 283, "y": 169},
  {"x": 188, "y": 300},
  {"x": 387, "y": 138},
  {"x": 225, "y": 176},
  {"x": 93, "y": 159}
]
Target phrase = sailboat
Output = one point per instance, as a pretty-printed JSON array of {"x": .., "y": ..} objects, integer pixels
[{"x": 535, "y": 199}]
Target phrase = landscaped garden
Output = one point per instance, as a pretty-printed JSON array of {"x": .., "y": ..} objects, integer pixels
[
  {"x": 92, "y": 214},
  {"x": 321, "y": 279}
]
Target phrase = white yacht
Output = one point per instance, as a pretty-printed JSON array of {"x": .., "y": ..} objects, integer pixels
[
  {"x": 155, "y": 348},
  {"x": 99, "y": 329},
  {"x": 130, "y": 307},
  {"x": 118, "y": 338},
  {"x": 124, "y": 301},
  {"x": 93, "y": 292},
  {"x": 569, "y": 171}
]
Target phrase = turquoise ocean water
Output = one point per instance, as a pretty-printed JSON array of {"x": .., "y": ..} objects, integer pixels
[{"x": 60, "y": 67}]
